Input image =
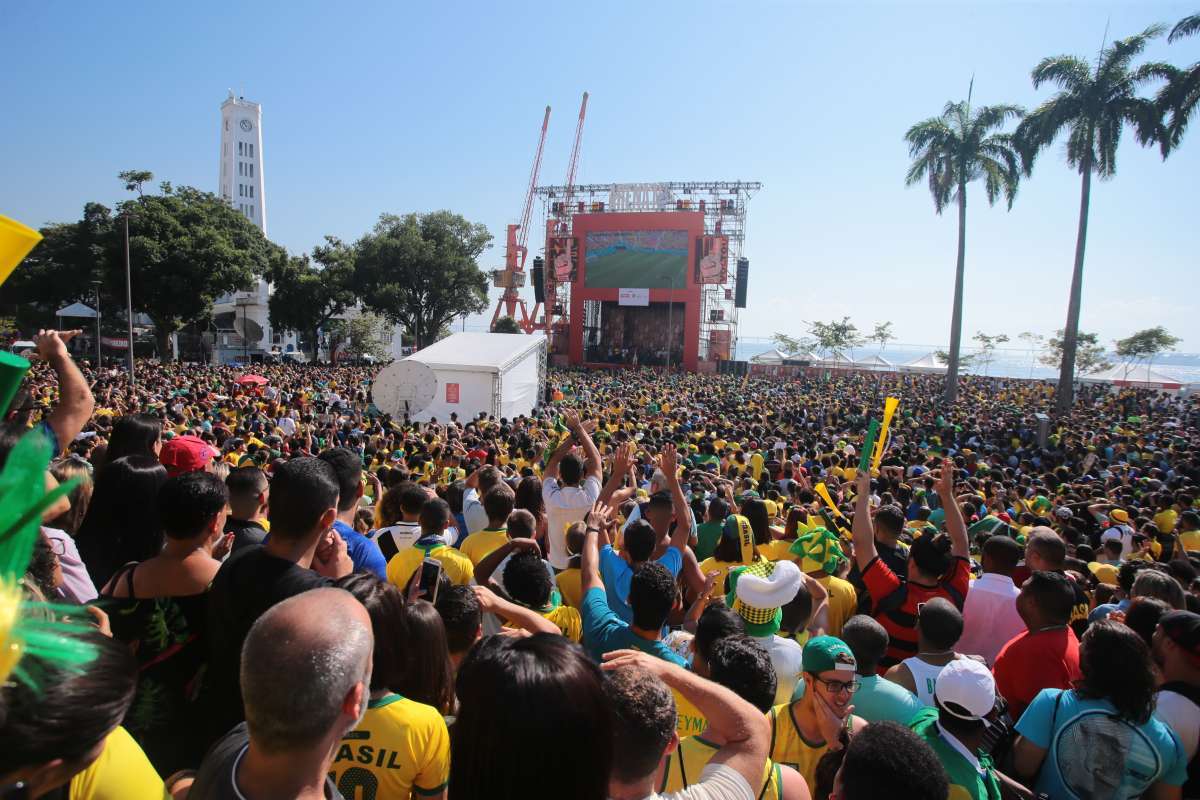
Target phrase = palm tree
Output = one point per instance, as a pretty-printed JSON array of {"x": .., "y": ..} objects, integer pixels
[
  {"x": 1093, "y": 107},
  {"x": 1181, "y": 96},
  {"x": 950, "y": 151}
]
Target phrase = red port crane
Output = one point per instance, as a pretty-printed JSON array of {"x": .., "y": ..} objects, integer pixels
[
  {"x": 563, "y": 225},
  {"x": 512, "y": 276}
]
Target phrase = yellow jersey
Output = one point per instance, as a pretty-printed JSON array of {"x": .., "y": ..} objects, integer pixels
[
  {"x": 570, "y": 586},
  {"x": 122, "y": 772},
  {"x": 481, "y": 544},
  {"x": 843, "y": 602},
  {"x": 713, "y": 565},
  {"x": 788, "y": 745},
  {"x": 688, "y": 719},
  {"x": 1165, "y": 520},
  {"x": 684, "y": 766},
  {"x": 401, "y": 747},
  {"x": 568, "y": 621},
  {"x": 1190, "y": 540},
  {"x": 458, "y": 567}
]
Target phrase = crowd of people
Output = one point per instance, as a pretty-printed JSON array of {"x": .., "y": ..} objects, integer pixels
[{"x": 659, "y": 584}]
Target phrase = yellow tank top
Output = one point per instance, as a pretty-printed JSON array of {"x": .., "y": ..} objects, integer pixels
[
  {"x": 686, "y": 763},
  {"x": 790, "y": 748}
]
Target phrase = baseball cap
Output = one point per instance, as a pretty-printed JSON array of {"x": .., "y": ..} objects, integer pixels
[
  {"x": 1183, "y": 628},
  {"x": 968, "y": 686},
  {"x": 186, "y": 453},
  {"x": 1105, "y": 573},
  {"x": 1119, "y": 515},
  {"x": 825, "y": 653}
]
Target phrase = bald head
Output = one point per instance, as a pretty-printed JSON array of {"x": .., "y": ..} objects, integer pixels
[
  {"x": 1045, "y": 550},
  {"x": 306, "y": 666}
]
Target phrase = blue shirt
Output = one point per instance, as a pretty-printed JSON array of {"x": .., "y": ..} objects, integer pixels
[
  {"x": 365, "y": 554},
  {"x": 604, "y": 631},
  {"x": 617, "y": 574},
  {"x": 1090, "y": 752},
  {"x": 1104, "y": 609},
  {"x": 880, "y": 700}
]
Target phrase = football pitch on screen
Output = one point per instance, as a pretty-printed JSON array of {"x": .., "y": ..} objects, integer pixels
[{"x": 625, "y": 270}]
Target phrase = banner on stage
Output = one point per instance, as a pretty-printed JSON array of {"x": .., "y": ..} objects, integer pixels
[
  {"x": 718, "y": 344},
  {"x": 712, "y": 260},
  {"x": 564, "y": 257},
  {"x": 452, "y": 392},
  {"x": 633, "y": 297},
  {"x": 640, "y": 197},
  {"x": 115, "y": 343}
]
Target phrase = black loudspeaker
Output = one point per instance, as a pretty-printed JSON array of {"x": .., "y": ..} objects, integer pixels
[
  {"x": 743, "y": 275},
  {"x": 538, "y": 275}
]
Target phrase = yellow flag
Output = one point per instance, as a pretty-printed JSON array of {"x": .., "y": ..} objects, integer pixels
[{"x": 16, "y": 240}]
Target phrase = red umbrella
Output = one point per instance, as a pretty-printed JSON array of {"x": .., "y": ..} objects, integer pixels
[{"x": 252, "y": 380}]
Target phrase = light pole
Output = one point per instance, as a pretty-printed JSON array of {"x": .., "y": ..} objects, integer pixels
[
  {"x": 96, "y": 285},
  {"x": 129, "y": 309}
]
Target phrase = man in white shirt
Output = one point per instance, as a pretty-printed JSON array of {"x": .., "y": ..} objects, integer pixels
[
  {"x": 1177, "y": 653},
  {"x": 639, "y": 690},
  {"x": 990, "y": 617},
  {"x": 288, "y": 425},
  {"x": 570, "y": 487},
  {"x": 478, "y": 484}
]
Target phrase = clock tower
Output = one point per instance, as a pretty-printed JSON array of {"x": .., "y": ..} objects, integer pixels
[{"x": 241, "y": 181}]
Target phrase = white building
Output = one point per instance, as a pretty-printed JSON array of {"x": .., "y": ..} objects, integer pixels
[{"x": 242, "y": 319}]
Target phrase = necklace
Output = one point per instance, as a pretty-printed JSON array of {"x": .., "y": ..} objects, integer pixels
[{"x": 936, "y": 653}]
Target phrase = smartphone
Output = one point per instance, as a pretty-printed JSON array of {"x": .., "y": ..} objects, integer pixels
[{"x": 431, "y": 572}]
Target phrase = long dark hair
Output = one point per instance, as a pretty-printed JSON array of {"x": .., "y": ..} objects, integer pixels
[
  {"x": 122, "y": 522},
  {"x": 755, "y": 510},
  {"x": 385, "y": 605},
  {"x": 133, "y": 435},
  {"x": 513, "y": 692},
  {"x": 71, "y": 713},
  {"x": 427, "y": 675},
  {"x": 1116, "y": 666},
  {"x": 529, "y": 496}
]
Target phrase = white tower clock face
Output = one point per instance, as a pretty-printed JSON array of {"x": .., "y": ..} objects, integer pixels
[
  {"x": 404, "y": 387},
  {"x": 247, "y": 125}
]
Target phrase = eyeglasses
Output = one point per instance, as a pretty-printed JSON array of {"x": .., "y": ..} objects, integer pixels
[{"x": 837, "y": 687}]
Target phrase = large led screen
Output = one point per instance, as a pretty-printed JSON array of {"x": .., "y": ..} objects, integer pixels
[{"x": 636, "y": 260}]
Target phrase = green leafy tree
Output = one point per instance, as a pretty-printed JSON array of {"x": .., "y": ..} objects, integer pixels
[
  {"x": 308, "y": 295},
  {"x": 883, "y": 334},
  {"x": 421, "y": 271},
  {"x": 1093, "y": 107},
  {"x": 987, "y": 347},
  {"x": 790, "y": 345},
  {"x": 506, "y": 324},
  {"x": 187, "y": 248},
  {"x": 134, "y": 178},
  {"x": 364, "y": 336},
  {"x": 836, "y": 336},
  {"x": 1180, "y": 98},
  {"x": 949, "y": 152},
  {"x": 1145, "y": 345},
  {"x": 1089, "y": 353},
  {"x": 964, "y": 359}
]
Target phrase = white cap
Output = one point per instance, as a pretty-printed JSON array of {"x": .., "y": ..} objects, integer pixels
[{"x": 969, "y": 685}]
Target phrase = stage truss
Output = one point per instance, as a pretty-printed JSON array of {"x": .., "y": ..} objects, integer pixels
[{"x": 725, "y": 205}]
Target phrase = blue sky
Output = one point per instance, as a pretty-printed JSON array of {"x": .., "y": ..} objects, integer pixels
[{"x": 374, "y": 107}]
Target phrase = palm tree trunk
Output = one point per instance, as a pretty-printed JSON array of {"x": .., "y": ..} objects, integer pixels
[
  {"x": 1065, "y": 396},
  {"x": 956, "y": 316}
]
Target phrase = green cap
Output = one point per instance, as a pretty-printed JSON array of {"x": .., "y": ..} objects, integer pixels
[
  {"x": 12, "y": 372},
  {"x": 826, "y": 653}
]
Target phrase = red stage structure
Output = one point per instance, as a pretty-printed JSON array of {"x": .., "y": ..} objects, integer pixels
[{"x": 643, "y": 274}]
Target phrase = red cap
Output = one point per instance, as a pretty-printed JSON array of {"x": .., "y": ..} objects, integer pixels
[{"x": 186, "y": 454}]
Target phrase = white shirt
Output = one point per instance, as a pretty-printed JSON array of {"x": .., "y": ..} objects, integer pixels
[
  {"x": 787, "y": 657},
  {"x": 1123, "y": 534},
  {"x": 990, "y": 616},
  {"x": 1182, "y": 716},
  {"x": 473, "y": 512},
  {"x": 564, "y": 506},
  {"x": 717, "y": 782}
]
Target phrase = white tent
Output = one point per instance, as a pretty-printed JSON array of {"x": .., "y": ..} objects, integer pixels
[
  {"x": 774, "y": 357},
  {"x": 76, "y": 310},
  {"x": 805, "y": 355},
  {"x": 836, "y": 361},
  {"x": 1133, "y": 375},
  {"x": 927, "y": 364},
  {"x": 502, "y": 374},
  {"x": 876, "y": 363}
]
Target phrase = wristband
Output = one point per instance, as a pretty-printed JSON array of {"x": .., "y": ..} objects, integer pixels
[{"x": 589, "y": 530}]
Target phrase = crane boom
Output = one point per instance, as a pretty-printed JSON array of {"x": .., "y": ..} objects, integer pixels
[
  {"x": 527, "y": 211},
  {"x": 573, "y": 166}
]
